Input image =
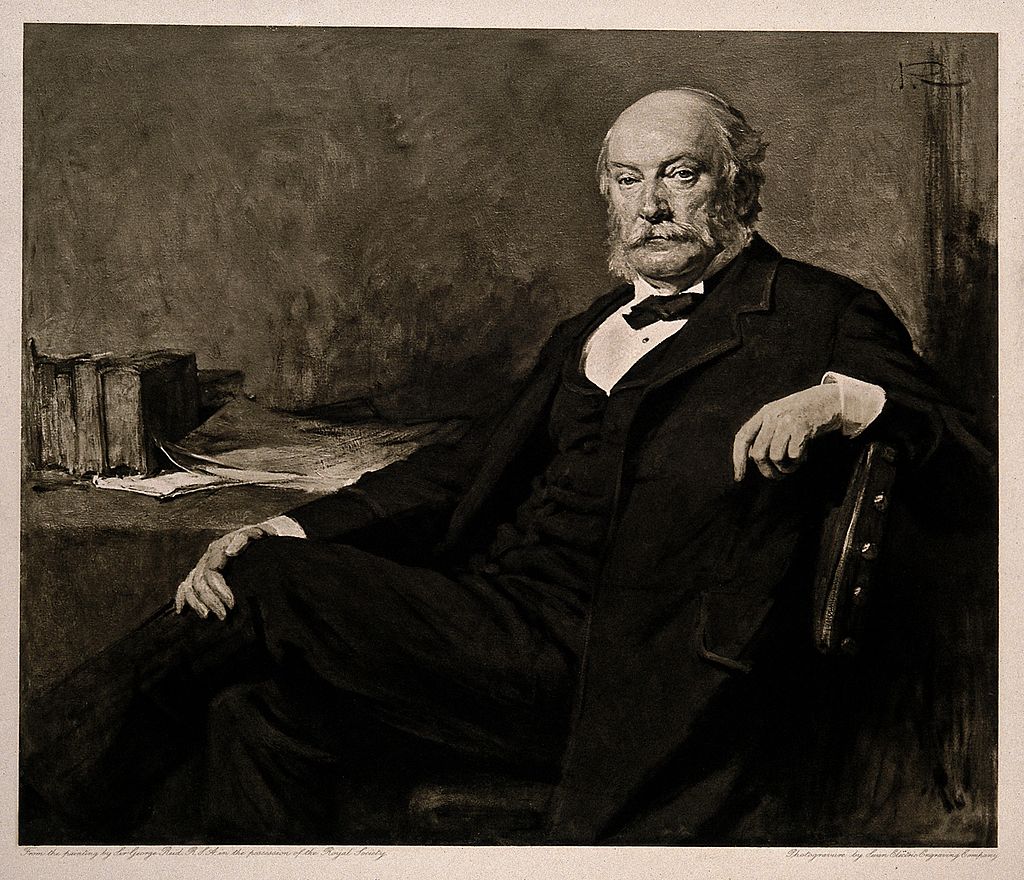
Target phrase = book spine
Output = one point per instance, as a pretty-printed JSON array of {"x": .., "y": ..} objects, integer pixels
[
  {"x": 64, "y": 416},
  {"x": 170, "y": 399},
  {"x": 89, "y": 456},
  {"x": 46, "y": 407},
  {"x": 123, "y": 425},
  {"x": 30, "y": 423}
]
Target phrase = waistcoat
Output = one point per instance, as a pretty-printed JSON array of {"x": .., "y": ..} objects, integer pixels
[{"x": 558, "y": 532}]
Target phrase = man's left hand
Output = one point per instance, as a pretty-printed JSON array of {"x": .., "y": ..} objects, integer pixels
[{"x": 776, "y": 436}]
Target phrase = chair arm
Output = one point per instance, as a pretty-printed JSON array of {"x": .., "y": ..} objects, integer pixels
[{"x": 851, "y": 539}]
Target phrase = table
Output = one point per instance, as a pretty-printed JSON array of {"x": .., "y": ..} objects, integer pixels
[{"x": 95, "y": 563}]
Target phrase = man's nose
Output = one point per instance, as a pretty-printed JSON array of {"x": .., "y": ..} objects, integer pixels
[{"x": 654, "y": 206}]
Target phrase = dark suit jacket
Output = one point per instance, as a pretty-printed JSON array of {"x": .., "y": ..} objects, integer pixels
[{"x": 700, "y": 574}]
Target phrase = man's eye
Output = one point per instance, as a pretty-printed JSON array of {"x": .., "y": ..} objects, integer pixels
[
  {"x": 684, "y": 174},
  {"x": 627, "y": 180}
]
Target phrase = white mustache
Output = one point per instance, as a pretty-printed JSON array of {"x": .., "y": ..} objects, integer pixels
[{"x": 666, "y": 232}]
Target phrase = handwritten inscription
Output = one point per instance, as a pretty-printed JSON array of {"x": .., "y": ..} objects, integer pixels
[
  {"x": 146, "y": 853},
  {"x": 928, "y": 855},
  {"x": 927, "y": 73}
]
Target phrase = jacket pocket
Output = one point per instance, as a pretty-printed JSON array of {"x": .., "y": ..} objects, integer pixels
[{"x": 728, "y": 622}]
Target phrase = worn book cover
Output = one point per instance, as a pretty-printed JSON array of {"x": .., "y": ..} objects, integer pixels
[
  {"x": 53, "y": 418},
  {"x": 88, "y": 456},
  {"x": 147, "y": 398}
]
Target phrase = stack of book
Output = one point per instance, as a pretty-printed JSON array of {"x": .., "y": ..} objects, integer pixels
[{"x": 101, "y": 414}]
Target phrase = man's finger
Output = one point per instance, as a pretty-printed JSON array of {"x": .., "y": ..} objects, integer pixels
[
  {"x": 779, "y": 446},
  {"x": 762, "y": 443},
  {"x": 208, "y": 596},
  {"x": 220, "y": 586},
  {"x": 787, "y": 452},
  {"x": 760, "y": 449},
  {"x": 179, "y": 594},
  {"x": 797, "y": 447},
  {"x": 182, "y": 592},
  {"x": 741, "y": 445},
  {"x": 194, "y": 602}
]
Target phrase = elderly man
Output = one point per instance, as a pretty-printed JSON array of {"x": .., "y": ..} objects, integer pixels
[{"x": 596, "y": 586}]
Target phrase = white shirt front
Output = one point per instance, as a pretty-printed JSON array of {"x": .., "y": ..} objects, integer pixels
[{"x": 615, "y": 346}]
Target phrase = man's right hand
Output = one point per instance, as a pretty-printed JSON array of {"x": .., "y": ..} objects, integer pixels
[{"x": 204, "y": 589}]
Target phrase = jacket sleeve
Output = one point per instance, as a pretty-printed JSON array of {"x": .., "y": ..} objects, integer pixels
[
  {"x": 918, "y": 418},
  {"x": 417, "y": 493},
  {"x": 416, "y": 497}
]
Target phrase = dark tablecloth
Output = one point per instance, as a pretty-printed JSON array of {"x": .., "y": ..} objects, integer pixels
[{"x": 95, "y": 563}]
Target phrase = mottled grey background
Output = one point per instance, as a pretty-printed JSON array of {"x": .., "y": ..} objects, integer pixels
[{"x": 405, "y": 213}]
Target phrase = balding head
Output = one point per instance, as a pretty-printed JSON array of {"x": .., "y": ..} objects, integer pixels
[
  {"x": 710, "y": 120},
  {"x": 680, "y": 169}
]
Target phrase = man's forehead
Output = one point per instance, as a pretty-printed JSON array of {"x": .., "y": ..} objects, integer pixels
[{"x": 662, "y": 127}]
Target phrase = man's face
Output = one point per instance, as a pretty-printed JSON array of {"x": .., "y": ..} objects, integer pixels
[{"x": 668, "y": 213}]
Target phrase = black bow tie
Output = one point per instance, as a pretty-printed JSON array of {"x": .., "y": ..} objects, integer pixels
[{"x": 662, "y": 308}]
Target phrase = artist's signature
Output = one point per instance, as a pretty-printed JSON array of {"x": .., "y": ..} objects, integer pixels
[{"x": 914, "y": 74}]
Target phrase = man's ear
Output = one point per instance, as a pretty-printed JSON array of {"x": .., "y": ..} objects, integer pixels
[{"x": 742, "y": 194}]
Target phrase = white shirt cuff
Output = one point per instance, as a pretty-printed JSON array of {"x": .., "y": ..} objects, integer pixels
[
  {"x": 283, "y": 527},
  {"x": 860, "y": 402}
]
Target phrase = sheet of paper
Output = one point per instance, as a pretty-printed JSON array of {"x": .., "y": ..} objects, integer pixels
[{"x": 166, "y": 485}]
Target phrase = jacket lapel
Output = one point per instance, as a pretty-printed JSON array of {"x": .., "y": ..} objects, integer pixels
[
  {"x": 528, "y": 409},
  {"x": 714, "y": 329}
]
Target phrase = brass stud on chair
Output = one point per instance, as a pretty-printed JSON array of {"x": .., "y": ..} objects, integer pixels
[
  {"x": 880, "y": 501},
  {"x": 868, "y": 550}
]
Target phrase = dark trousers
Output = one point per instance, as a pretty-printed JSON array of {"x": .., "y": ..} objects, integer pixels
[{"x": 328, "y": 652}]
